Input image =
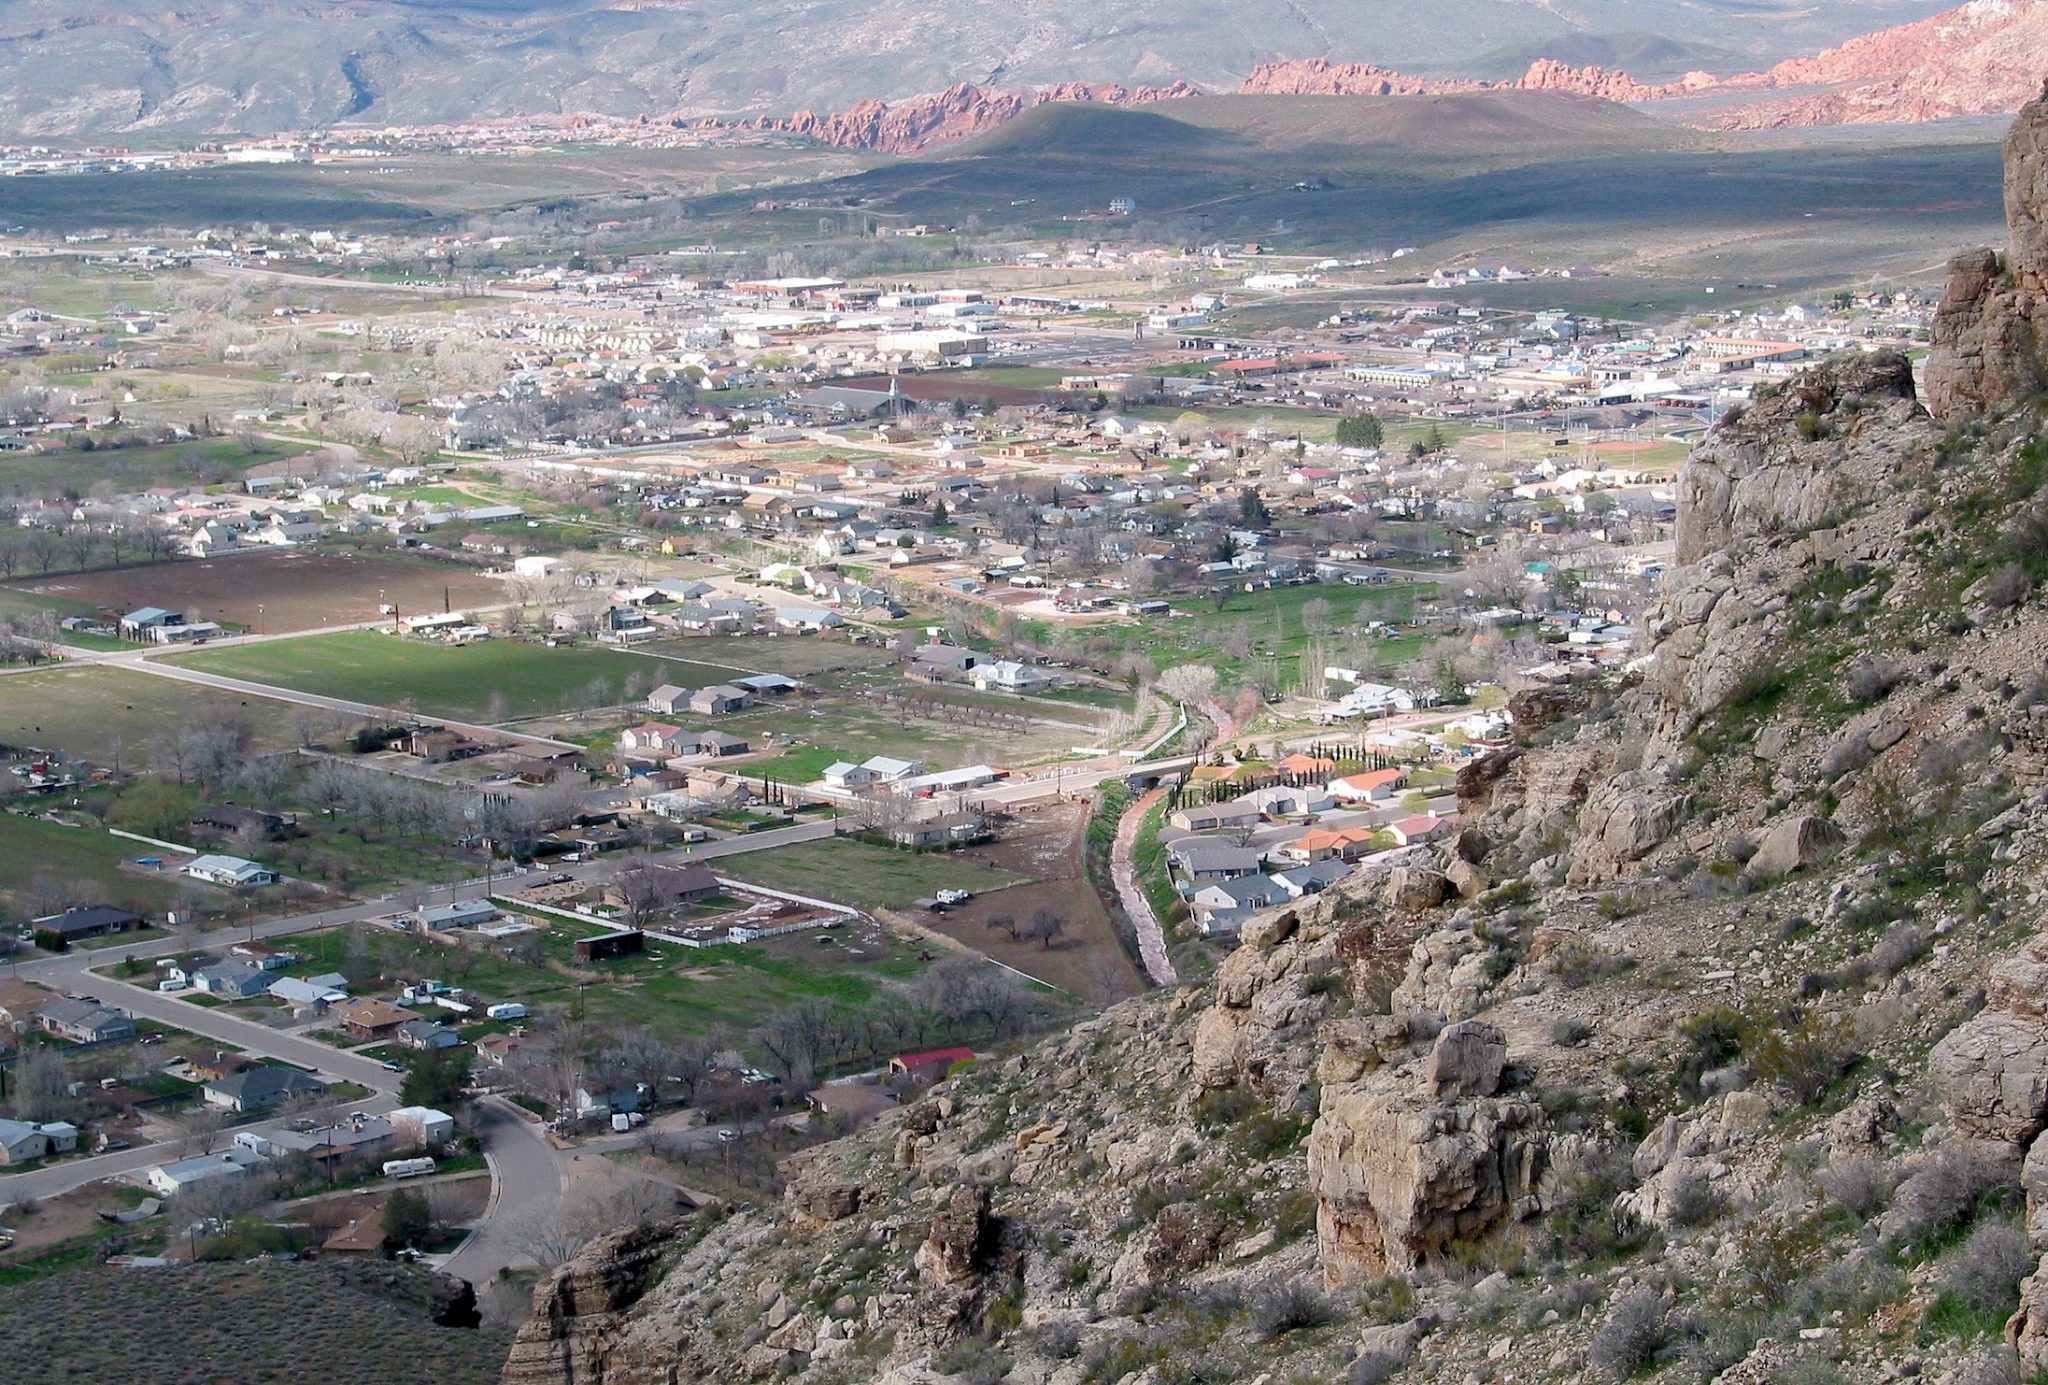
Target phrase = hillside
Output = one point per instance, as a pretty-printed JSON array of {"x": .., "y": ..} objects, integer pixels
[
  {"x": 69, "y": 67},
  {"x": 1711, "y": 1048},
  {"x": 256, "y": 1324}
]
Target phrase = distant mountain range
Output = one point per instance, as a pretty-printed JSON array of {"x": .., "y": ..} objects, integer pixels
[{"x": 99, "y": 67}]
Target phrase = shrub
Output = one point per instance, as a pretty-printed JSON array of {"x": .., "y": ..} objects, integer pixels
[
  {"x": 1373, "y": 1368},
  {"x": 1900, "y": 948},
  {"x": 1289, "y": 1305},
  {"x": 1691, "y": 1200},
  {"x": 1858, "y": 1184},
  {"x": 1983, "y": 1274},
  {"x": 1943, "y": 1194},
  {"x": 1809, "y": 1060},
  {"x": 1871, "y": 679},
  {"x": 1997, "y": 1366},
  {"x": 1630, "y": 1338},
  {"x": 2007, "y": 587}
]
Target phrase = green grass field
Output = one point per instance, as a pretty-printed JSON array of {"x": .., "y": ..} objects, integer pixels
[
  {"x": 864, "y": 875},
  {"x": 30, "y": 847},
  {"x": 1273, "y": 626},
  {"x": 207, "y": 462},
  {"x": 109, "y": 715},
  {"x": 494, "y": 680},
  {"x": 682, "y": 991}
]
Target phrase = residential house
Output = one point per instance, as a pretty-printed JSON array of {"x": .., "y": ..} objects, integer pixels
[
  {"x": 232, "y": 979},
  {"x": 654, "y": 737},
  {"x": 81, "y": 1021},
  {"x": 230, "y": 871},
  {"x": 260, "y": 1088},
  {"x": 229, "y": 819},
  {"x": 360, "y": 1136},
  {"x": 1373, "y": 786},
  {"x": 844, "y": 774},
  {"x": 807, "y": 619},
  {"x": 718, "y": 700},
  {"x": 1327, "y": 844},
  {"x": 716, "y": 744},
  {"x": 371, "y": 1019},
  {"x": 666, "y": 887},
  {"x": 1300, "y": 766},
  {"x": 1211, "y": 817},
  {"x": 22, "y": 1142},
  {"x": 1308, "y": 880},
  {"x": 668, "y": 699},
  {"x": 305, "y": 995},
  {"x": 1422, "y": 827},
  {"x": 890, "y": 770},
  {"x": 462, "y": 913},
  {"x": 1007, "y": 675},
  {"x": 422, "y": 1033},
  {"x": 931, "y": 1065},
  {"x": 168, "y": 1180},
  {"x": 1206, "y": 858},
  {"x": 87, "y": 921},
  {"x": 949, "y": 829},
  {"x": 1285, "y": 801},
  {"x": 1244, "y": 892},
  {"x": 143, "y": 623}
]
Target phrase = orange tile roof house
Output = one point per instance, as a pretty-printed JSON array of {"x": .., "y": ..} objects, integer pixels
[
  {"x": 1328, "y": 844},
  {"x": 1374, "y": 786}
]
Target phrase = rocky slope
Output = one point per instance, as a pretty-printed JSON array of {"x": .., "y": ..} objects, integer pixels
[
  {"x": 1712, "y": 1048},
  {"x": 959, "y": 112}
]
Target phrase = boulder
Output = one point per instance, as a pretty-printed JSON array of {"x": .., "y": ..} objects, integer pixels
[
  {"x": 1411, "y": 889},
  {"x": 1467, "y": 1061},
  {"x": 1399, "y": 1178},
  {"x": 1625, "y": 819},
  {"x": 1796, "y": 844},
  {"x": 1992, "y": 1074}
]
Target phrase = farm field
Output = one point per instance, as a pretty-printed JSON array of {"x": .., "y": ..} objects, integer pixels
[
  {"x": 842, "y": 724},
  {"x": 109, "y": 715},
  {"x": 494, "y": 681},
  {"x": 1088, "y": 960},
  {"x": 1272, "y": 626},
  {"x": 203, "y": 462},
  {"x": 673, "y": 989},
  {"x": 297, "y": 589},
  {"x": 797, "y": 657},
  {"x": 30, "y": 847},
  {"x": 867, "y": 876}
]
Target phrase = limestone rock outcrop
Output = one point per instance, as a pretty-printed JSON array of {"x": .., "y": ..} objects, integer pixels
[
  {"x": 1399, "y": 1176},
  {"x": 579, "y": 1309},
  {"x": 1988, "y": 344}
]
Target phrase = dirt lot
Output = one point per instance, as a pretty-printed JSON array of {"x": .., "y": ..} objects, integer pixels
[
  {"x": 1047, "y": 842},
  {"x": 297, "y": 589}
]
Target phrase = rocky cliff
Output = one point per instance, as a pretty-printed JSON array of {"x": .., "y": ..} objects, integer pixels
[{"x": 1712, "y": 1048}]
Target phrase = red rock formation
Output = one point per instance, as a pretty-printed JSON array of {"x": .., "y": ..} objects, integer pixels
[
  {"x": 1320, "y": 77},
  {"x": 1982, "y": 59}
]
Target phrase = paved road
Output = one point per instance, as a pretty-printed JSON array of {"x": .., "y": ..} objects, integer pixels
[{"x": 528, "y": 1178}]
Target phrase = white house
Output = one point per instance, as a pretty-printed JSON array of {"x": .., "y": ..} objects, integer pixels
[
  {"x": 230, "y": 871},
  {"x": 172, "y": 1179}
]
